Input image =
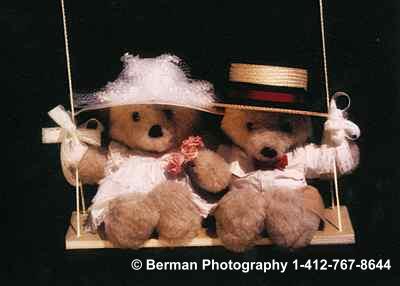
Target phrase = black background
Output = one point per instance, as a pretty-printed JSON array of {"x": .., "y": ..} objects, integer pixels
[{"x": 363, "y": 60}]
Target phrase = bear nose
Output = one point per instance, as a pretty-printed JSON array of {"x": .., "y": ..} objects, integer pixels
[
  {"x": 155, "y": 131},
  {"x": 268, "y": 152}
]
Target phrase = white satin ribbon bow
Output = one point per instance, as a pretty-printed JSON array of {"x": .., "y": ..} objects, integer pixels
[
  {"x": 337, "y": 128},
  {"x": 73, "y": 140}
]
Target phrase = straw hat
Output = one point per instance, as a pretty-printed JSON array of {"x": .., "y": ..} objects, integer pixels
[
  {"x": 259, "y": 87},
  {"x": 163, "y": 80}
]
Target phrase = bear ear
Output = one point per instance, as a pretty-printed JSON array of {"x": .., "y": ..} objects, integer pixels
[{"x": 104, "y": 118}]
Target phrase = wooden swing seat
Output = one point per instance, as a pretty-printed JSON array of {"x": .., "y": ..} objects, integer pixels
[{"x": 329, "y": 235}]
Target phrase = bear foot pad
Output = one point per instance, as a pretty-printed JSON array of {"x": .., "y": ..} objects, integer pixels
[{"x": 328, "y": 235}]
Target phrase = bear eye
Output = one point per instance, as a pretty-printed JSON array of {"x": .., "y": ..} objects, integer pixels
[
  {"x": 168, "y": 114},
  {"x": 135, "y": 116},
  {"x": 250, "y": 126},
  {"x": 286, "y": 126}
]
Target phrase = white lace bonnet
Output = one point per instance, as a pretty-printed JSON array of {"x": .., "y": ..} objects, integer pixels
[{"x": 162, "y": 80}]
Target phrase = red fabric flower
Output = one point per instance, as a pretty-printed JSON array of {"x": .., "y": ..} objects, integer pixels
[
  {"x": 174, "y": 166},
  {"x": 282, "y": 162},
  {"x": 190, "y": 147}
]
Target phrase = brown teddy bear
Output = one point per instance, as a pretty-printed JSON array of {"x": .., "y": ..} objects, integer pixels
[
  {"x": 143, "y": 178},
  {"x": 271, "y": 159}
]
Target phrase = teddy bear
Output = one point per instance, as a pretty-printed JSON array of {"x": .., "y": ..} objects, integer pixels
[
  {"x": 153, "y": 172},
  {"x": 271, "y": 158}
]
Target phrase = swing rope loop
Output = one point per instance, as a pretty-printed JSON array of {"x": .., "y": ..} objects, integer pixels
[
  {"x": 71, "y": 101},
  {"x": 325, "y": 66}
]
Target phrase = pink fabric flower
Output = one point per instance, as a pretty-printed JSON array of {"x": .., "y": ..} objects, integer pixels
[
  {"x": 190, "y": 147},
  {"x": 174, "y": 166},
  {"x": 188, "y": 152}
]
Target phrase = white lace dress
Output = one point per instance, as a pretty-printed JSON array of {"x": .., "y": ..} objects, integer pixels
[{"x": 129, "y": 171}]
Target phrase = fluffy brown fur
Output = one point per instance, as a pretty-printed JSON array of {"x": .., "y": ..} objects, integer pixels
[
  {"x": 131, "y": 220},
  {"x": 168, "y": 208},
  {"x": 238, "y": 226},
  {"x": 291, "y": 218},
  {"x": 180, "y": 220},
  {"x": 176, "y": 124},
  {"x": 267, "y": 130},
  {"x": 91, "y": 167},
  {"x": 209, "y": 162}
]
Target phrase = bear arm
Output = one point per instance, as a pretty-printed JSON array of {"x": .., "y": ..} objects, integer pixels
[
  {"x": 92, "y": 165},
  {"x": 350, "y": 162},
  {"x": 210, "y": 171},
  {"x": 318, "y": 159}
]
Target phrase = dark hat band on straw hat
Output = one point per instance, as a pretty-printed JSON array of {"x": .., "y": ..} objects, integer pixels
[{"x": 268, "y": 86}]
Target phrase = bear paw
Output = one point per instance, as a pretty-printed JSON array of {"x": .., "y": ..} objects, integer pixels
[
  {"x": 210, "y": 171},
  {"x": 293, "y": 217},
  {"x": 131, "y": 221},
  {"x": 239, "y": 218},
  {"x": 180, "y": 219}
]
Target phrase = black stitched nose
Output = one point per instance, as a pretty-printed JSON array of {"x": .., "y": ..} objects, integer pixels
[
  {"x": 268, "y": 152},
  {"x": 155, "y": 131}
]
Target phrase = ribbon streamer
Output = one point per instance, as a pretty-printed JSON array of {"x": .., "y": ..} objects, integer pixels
[
  {"x": 337, "y": 127},
  {"x": 337, "y": 130},
  {"x": 73, "y": 140}
]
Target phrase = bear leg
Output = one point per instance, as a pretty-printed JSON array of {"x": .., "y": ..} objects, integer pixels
[
  {"x": 131, "y": 220},
  {"x": 180, "y": 219},
  {"x": 293, "y": 216},
  {"x": 239, "y": 218}
]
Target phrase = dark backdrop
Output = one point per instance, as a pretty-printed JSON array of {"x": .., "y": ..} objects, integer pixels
[{"x": 363, "y": 60}]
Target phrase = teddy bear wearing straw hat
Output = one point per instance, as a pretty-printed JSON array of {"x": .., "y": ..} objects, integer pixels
[
  {"x": 270, "y": 158},
  {"x": 150, "y": 175}
]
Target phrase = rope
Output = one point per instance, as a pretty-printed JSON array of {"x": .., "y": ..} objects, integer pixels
[
  {"x": 71, "y": 101},
  {"x": 82, "y": 198},
  {"x": 335, "y": 179},
  {"x": 325, "y": 65},
  {"x": 325, "y": 62},
  {"x": 67, "y": 57}
]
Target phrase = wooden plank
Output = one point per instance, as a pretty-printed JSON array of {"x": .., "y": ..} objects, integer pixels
[{"x": 329, "y": 235}]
